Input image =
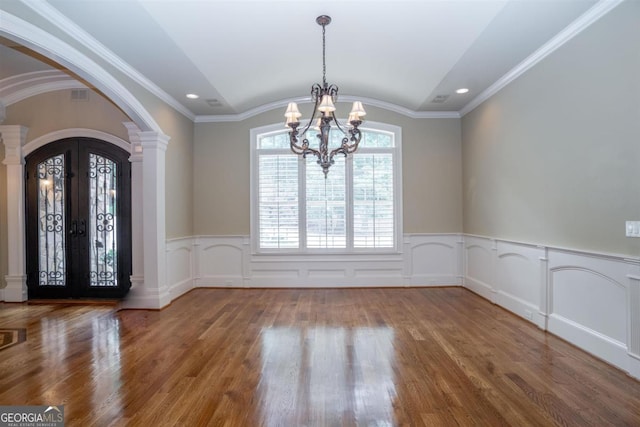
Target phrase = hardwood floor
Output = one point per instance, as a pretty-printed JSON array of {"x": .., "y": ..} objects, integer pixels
[{"x": 325, "y": 357}]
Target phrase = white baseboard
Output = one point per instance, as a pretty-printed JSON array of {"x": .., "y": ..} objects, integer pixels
[
  {"x": 144, "y": 298},
  {"x": 480, "y": 288},
  {"x": 606, "y": 348},
  {"x": 634, "y": 366},
  {"x": 15, "y": 289},
  {"x": 180, "y": 288},
  {"x": 520, "y": 307}
]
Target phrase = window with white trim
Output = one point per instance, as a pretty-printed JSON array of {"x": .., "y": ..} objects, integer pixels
[{"x": 357, "y": 208}]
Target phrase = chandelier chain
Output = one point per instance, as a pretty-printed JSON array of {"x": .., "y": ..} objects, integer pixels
[{"x": 324, "y": 64}]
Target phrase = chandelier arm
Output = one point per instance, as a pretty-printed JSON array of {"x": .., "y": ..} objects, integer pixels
[
  {"x": 303, "y": 149},
  {"x": 316, "y": 88},
  {"x": 332, "y": 91},
  {"x": 316, "y": 93},
  {"x": 300, "y": 149},
  {"x": 335, "y": 151},
  {"x": 293, "y": 140},
  {"x": 293, "y": 134},
  {"x": 346, "y": 148},
  {"x": 356, "y": 136},
  {"x": 297, "y": 149},
  {"x": 312, "y": 151}
]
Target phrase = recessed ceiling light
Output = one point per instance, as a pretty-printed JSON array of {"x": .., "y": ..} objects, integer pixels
[
  {"x": 462, "y": 90},
  {"x": 192, "y": 96}
]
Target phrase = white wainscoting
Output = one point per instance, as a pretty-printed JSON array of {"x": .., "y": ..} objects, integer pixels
[
  {"x": 180, "y": 263},
  {"x": 426, "y": 260},
  {"x": 479, "y": 269},
  {"x": 221, "y": 261},
  {"x": 227, "y": 261},
  {"x": 433, "y": 259},
  {"x": 590, "y": 304},
  {"x": 591, "y": 300}
]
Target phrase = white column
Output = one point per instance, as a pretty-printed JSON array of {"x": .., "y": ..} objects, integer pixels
[
  {"x": 153, "y": 292},
  {"x": 13, "y": 138},
  {"x": 137, "y": 238}
]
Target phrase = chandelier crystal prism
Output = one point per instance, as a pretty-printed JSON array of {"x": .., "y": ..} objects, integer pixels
[{"x": 324, "y": 96}]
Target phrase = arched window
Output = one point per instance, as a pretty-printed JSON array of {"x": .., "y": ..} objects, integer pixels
[{"x": 357, "y": 208}]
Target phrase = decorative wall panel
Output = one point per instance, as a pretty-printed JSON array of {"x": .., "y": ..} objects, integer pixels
[
  {"x": 479, "y": 269},
  {"x": 585, "y": 298},
  {"x": 180, "y": 266}
]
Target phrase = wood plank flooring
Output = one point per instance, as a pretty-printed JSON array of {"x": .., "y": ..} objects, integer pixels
[{"x": 322, "y": 357}]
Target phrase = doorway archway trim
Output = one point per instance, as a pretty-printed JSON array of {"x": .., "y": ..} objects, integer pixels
[{"x": 74, "y": 133}]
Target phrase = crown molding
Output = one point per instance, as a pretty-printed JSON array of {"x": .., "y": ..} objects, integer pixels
[
  {"x": 54, "y": 16},
  {"x": 343, "y": 98},
  {"x": 403, "y": 110},
  {"x": 596, "y": 12}
]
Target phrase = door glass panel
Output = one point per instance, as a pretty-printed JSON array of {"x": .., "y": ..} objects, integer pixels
[
  {"x": 51, "y": 236},
  {"x": 102, "y": 227}
]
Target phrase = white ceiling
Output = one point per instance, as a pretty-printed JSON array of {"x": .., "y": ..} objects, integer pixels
[{"x": 247, "y": 54}]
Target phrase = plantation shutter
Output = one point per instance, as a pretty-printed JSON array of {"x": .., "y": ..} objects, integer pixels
[
  {"x": 326, "y": 206},
  {"x": 278, "y": 201},
  {"x": 373, "y": 222}
]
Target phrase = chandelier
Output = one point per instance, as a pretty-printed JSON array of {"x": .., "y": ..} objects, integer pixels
[{"x": 324, "y": 96}]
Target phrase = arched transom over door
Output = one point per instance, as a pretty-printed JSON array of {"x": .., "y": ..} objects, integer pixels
[{"x": 78, "y": 220}]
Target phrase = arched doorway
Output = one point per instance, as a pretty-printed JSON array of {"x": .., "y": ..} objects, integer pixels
[
  {"x": 78, "y": 220},
  {"x": 149, "y": 145}
]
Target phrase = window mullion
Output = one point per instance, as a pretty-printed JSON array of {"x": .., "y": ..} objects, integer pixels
[
  {"x": 302, "y": 200},
  {"x": 348, "y": 182}
]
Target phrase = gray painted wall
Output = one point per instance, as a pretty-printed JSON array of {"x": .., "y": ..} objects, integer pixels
[{"x": 554, "y": 157}]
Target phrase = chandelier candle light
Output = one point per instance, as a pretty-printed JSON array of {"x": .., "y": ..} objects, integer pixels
[{"x": 323, "y": 97}]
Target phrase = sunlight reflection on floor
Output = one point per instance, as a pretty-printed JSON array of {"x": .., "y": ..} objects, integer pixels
[{"x": 321, "y": 376}]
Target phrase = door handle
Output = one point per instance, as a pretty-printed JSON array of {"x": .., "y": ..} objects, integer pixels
[
  {"x": 82, "y": 227},
  {"x": 74, "y": 228}
]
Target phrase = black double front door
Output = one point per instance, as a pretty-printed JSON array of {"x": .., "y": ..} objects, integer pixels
[{"x": 78, "y": 220}]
